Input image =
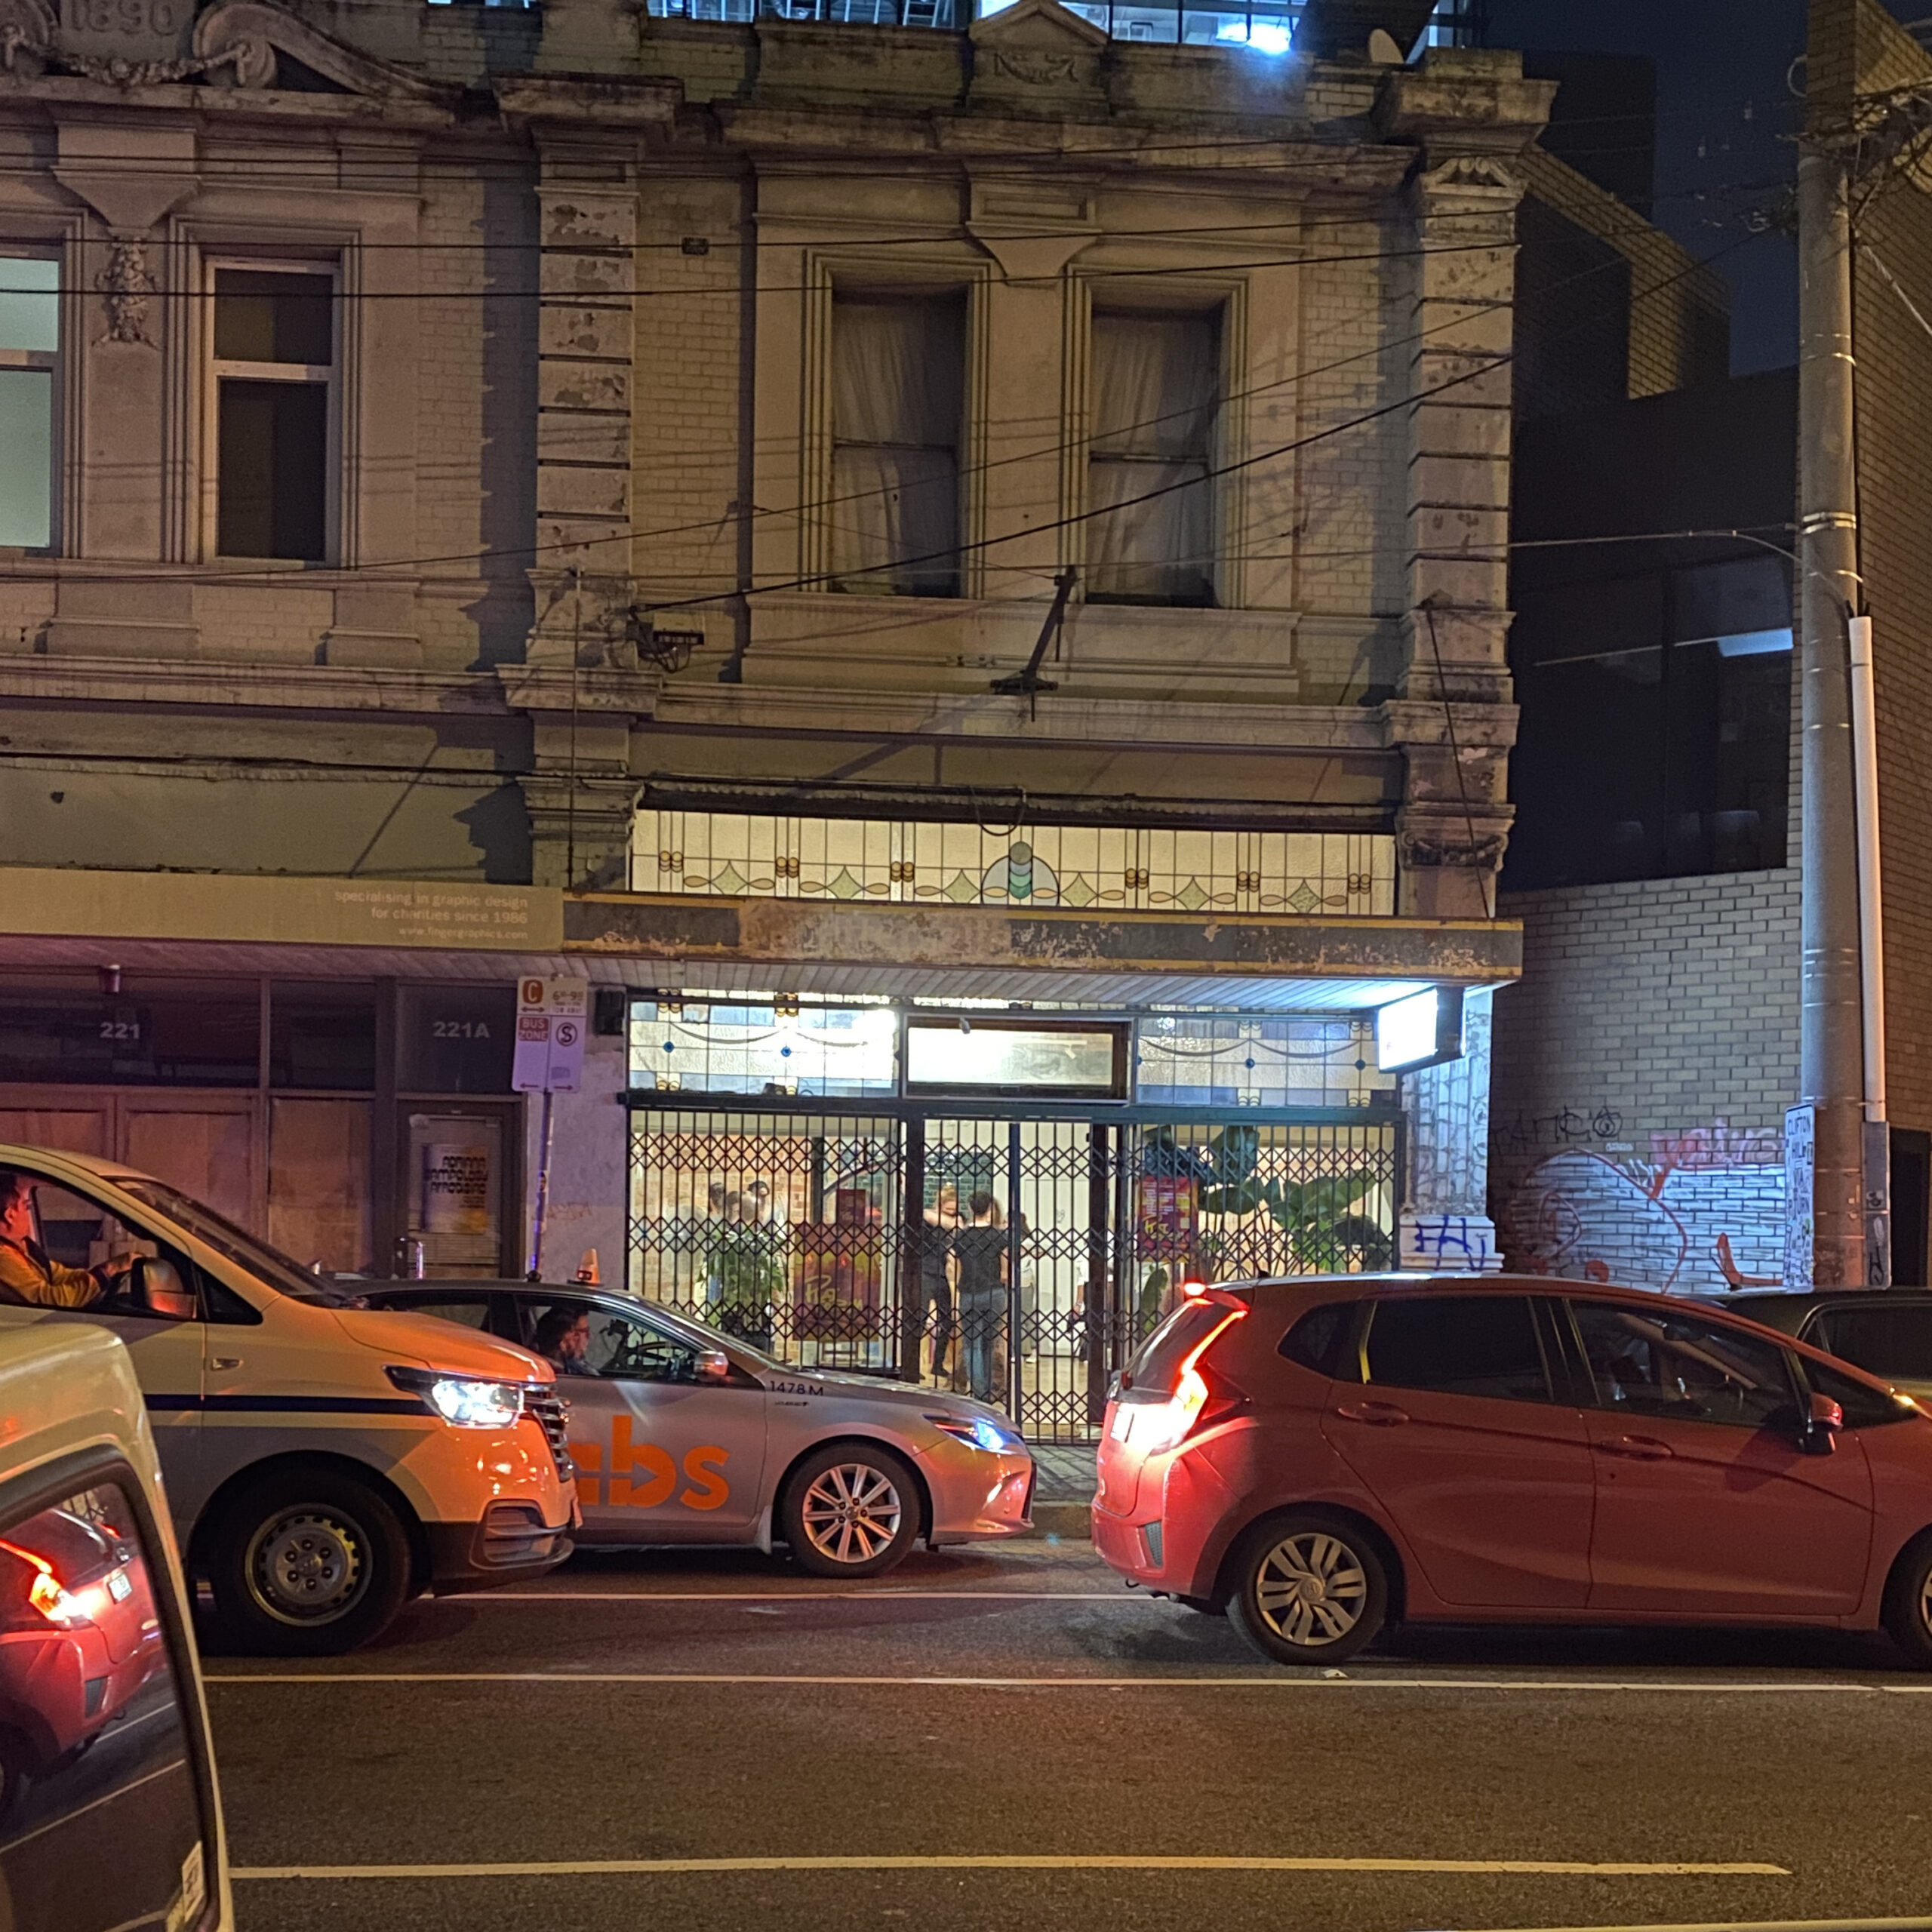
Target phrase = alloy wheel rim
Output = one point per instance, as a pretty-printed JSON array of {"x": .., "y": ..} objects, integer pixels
[
  {"x": 852, "y": 1512},
  {"x": 1310, "y": 1589},
  {"x": 305, "y": 1567}
]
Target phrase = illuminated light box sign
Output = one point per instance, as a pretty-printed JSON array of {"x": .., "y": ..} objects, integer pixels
[{"x": 1423, "y": 1030}]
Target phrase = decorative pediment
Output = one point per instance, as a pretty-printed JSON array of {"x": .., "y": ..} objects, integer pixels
[
  {"x": 153, "y": 43},
  {"x": 1484, "y": 171},
  {"x": 1041, "y": 24},
  {"x": 1035, "y": 53}
]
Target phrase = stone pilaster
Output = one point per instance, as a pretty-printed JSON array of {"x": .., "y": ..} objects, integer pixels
[
  {"x": 1445, "y": 1224},
  {"x": 1453, "y": 716},
  {"x": 581, "y": 573},
  {"x": 579, "y": 791}
]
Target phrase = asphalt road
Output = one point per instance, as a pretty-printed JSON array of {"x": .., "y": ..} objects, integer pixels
[{"x": 1003, "y": 1737}]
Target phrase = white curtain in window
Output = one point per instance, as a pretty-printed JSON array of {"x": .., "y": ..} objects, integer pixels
[
  {"x": 897, "y": 376},
  {"x": 1156, "y": 379}
]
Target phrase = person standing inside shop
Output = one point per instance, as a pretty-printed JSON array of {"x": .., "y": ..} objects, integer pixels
[
  {"x": 979, "y": 1249},
  {"x": 936, "y": 1264}
]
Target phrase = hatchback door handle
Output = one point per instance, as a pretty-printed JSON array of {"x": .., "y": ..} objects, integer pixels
[
  {"x": 1638, "y": 1448},
  {"x": 1377, "y": 1415},
  {"x": 224, "y": 1362}
]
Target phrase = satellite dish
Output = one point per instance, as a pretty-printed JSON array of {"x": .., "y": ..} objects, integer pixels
[{"x": 1383, "y": 51}]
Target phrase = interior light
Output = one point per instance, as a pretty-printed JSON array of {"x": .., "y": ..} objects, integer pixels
[{"x": 1262, "y": 36}]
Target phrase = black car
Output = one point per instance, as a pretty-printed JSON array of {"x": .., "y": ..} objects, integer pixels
[{"x": 1887, "y": 1332}]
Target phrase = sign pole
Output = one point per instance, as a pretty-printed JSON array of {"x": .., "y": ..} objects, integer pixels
[
  {"x": 549, "y": 1060},
  {"x": 542, "y": 1187}
]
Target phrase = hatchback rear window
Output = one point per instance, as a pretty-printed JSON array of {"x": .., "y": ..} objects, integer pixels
[
  {"x": 1319, "y": 1340},
  {"x": 1894, "y": 1342},
  {"x": 1157, "y": 1368},
  {"x": 1462, "y": 1345}
]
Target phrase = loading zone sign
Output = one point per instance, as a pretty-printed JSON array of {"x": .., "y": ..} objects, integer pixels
[{"x": 549, "y": 1036}]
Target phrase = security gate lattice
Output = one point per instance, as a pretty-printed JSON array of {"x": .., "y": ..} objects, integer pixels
[{"x": 1020, "y": 1257}]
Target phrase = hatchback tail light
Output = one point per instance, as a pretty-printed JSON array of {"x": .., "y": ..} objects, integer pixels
[
  {"x": 35, "y": 1596},
  {"x": 1162, "y": 1426}
]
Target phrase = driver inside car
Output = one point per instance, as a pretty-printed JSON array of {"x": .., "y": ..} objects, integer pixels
[
  {"x": 28, "y": 1273},
  {"x": 563, "y": 1339}
]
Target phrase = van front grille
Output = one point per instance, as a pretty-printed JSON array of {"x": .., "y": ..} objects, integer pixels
[{"x": 552, "y": 1413}]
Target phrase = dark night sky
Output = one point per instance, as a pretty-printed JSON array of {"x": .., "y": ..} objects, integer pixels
[{"x": 1724, "y": 115}]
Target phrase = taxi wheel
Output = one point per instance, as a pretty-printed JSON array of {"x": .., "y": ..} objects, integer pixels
[
  {"x": 307, "y": 1563},
  {"x": 851, "y": 1510},
  {"x": 1308, "y": 1589},
  {"x": 1908, "y": 1611}
]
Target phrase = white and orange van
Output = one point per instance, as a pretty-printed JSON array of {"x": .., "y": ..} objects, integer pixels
[{"x": 323, "y": 1462}]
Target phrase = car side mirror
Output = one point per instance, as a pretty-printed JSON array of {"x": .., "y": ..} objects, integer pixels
[
  {"x": 159, "y": 1290},
  {"x": 714, "y": 1365},
  {"x": 1822, "y": 1421}
]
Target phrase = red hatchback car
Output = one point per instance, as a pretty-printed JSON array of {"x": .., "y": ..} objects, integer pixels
[{"x": 1325, "y": 1457}]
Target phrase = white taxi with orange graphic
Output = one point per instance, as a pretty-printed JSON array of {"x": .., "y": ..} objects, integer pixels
[{"x": 682, "y": 1435}]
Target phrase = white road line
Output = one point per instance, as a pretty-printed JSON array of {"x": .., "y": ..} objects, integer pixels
[
  {"x": 797, "y": 1596},
  {"x": 1752, "y": 1925},
  {"x": 1596, "y": 1686},
  {"x": 598, "y": 1868}
]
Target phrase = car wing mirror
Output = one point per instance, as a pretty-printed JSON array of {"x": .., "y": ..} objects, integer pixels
[
  {"x": 159, "y": 1290},
  {"x": 714, "y": 1365},
  {"x": 1823, "y": 1418}
]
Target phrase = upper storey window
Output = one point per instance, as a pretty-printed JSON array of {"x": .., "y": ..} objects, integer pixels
[
  {"x": 275, "y": 383},
  {"x": 29, "y": 346},
  {"x": 898, "y": 394},
  {"x": 1155, "y": 388}
]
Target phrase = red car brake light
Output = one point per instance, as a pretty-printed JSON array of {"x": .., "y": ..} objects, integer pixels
[
  {"x": 1157, "y": 1428},
  {"x": 45, "y": 1594}
]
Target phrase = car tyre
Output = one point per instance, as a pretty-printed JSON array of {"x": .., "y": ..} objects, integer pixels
[
  {"x": 850, "y": 1509},
  {"x": 1907, "y": 1611},
  {"x": 1308, "y": 1589},
  {"x": 307, "y": 1563}
]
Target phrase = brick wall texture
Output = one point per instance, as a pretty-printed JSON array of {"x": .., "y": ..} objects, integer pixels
[
  {"x": 1680, "y": 328},
  {"x": 1642, "y": 1072}
]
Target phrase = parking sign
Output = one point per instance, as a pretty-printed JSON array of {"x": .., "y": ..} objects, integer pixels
[{"x": 549, "y": 1036}]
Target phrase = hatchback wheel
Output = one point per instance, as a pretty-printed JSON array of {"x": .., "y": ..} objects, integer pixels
[
  {"x": 1308, "y": 1589},
  {"x": 1909, "y": 1603},
  {"x": 851, "y": 1510},
  {"x": 307, "y": 1563}
]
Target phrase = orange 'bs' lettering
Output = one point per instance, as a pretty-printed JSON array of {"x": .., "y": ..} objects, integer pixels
[
  {"x": 660, "y": 1472},
  {"x": 711, "y": 1489}
]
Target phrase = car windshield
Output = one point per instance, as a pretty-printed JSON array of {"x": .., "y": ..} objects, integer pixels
[{"x": 268, "y": 1265}]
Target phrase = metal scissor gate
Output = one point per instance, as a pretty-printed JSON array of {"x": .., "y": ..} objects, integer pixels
[{"x": 862, "y": 1235}]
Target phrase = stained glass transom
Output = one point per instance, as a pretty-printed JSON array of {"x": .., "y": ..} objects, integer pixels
[
  {"x": 1113, "y": 868},
  {"x": 1276, "y": 1061}
]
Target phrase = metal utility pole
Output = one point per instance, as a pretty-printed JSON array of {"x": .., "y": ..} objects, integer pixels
[{"x": 1832, "y": 1047}]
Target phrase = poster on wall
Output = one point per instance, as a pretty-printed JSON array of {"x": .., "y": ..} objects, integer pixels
[
  {"x": 456, "y": 1189},
  {"x": 1800, "y": 1172}
]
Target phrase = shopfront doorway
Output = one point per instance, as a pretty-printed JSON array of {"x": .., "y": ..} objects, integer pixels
[{"x": 1020, "y": 1252}]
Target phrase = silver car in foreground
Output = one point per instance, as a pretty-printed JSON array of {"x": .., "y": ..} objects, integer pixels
[{"x": 682, "y": 1435}]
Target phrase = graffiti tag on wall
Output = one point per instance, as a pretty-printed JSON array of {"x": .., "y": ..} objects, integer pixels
[{"x": 1704, "y": 1215}]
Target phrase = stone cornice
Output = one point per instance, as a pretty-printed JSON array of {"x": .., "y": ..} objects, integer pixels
[
  {"x": 216, "y": 686},
  {"x": 1049, "y": 717}
]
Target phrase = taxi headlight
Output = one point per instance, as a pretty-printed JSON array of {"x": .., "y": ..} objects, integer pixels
[
  {"x": 981, "y": 1432},
  {"x": 462, "y": 1401}
]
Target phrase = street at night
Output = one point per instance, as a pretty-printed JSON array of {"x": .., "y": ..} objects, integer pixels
[{"x": 1008, "y": 1735}]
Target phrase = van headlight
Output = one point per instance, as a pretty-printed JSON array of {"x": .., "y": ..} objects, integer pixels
[{"x": 463, "y": 1402}]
